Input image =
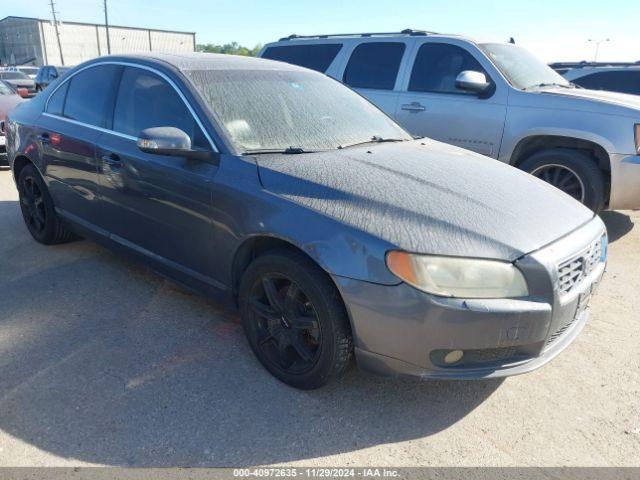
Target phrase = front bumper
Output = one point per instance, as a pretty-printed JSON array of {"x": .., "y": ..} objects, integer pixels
[
  {"x": 625, "y": 182},
  {"x": 399, "y": 330}
]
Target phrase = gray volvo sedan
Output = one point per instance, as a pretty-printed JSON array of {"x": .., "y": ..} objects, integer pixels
[{"x": 335, "y": 231}]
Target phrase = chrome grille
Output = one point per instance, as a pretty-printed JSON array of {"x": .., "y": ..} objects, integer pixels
[{"x": 573, "y": 271}]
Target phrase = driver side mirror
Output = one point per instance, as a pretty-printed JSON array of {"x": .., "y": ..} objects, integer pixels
[
  {"x": 170, "y": 141},
  {"x": 472, "y": 81}
]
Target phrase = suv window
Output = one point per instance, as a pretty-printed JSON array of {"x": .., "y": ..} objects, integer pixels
[
  {"x": 374, "y": 65},
  {"x": 437, "y": 65},
  {"x": 317, "y": 57},
  {"x": 88, "y": 94},
  {"x": 56, "y": 101},
  {"x": 624, "y": 82},
  {"x": 145, "y": 100}
]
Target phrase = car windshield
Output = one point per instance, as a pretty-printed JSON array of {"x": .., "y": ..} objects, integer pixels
[
  {"x": 6, "y": 90},
  {"x": 521, "y": 68},
  {"x": 12, "y": 75},
  {"x": 296, "y": 111}
]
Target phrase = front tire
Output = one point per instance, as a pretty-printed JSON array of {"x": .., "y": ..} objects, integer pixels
[
  {"x": 294, "y": 319},
  {"x": 571, "y": 171},
  {"x": 38, "y": 210}
]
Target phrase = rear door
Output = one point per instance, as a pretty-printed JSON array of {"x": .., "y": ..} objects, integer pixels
[
  {"x": 68, "y": 130},
  {"x": 429, "y": 104},
  {"x": 157, "y": 205},
  {"x": 373, "y": 70}
]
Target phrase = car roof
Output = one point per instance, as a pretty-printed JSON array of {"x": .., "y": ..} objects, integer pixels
[
  {"x": 355, "y": 37},
  {"x": 206, "y": 61}
]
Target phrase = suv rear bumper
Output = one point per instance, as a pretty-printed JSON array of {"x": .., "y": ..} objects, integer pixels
[{"x": 625, "y": 182}]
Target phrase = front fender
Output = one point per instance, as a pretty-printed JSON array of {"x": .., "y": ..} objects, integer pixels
[{"x": 337, "y": 248}]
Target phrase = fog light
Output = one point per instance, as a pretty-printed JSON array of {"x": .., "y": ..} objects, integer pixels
[{"x": 453, "y": 356}]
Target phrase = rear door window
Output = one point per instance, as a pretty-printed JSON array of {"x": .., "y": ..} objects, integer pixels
[
  {"x": 55, "y": 105},
  {"x": 624, "y": 82},
  {"x": 317, "y": 57},
  {"x": 374, "y": 65},
  {"x": 437, "y": 65},
  {"x": 89, "y": 93}
]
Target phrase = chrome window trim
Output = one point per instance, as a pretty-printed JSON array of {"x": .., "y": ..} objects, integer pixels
[
  {"x": 93, "y": 127},
  {"x": 134, "y": 65}
]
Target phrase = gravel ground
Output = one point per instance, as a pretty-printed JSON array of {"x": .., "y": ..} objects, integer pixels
[{"x": 104, "y": 362}]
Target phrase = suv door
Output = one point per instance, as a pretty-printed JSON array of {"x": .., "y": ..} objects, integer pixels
[
  {"x": 430, "y": 104},
  {"x": 157, "y": 205},
  {"x": 373, "y": 68},
  {"x": 67, "y": 131}
]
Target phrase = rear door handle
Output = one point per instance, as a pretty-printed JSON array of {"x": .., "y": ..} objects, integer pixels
[
  {"x": 112, "y": 159},
  {"x": 413, "y": 107},
  {"x": 44, "y": 138}
]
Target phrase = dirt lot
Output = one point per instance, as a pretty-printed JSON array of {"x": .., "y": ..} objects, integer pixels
[{"x": 104, "y": 362}]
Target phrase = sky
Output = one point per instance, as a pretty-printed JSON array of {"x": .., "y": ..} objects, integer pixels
[{"x": 552, "y": 30}]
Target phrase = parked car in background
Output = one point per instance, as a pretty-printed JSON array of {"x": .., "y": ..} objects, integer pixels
[
  {"x": 47, "y": 74},
  {"x": 9, "y": 98},
  {"x": 329, "y": 225},
  {"x": 19, "y": 80},
  {"x": 28, "y": 70},
  {"x": 495, "y": 99},
  {"x": 623, "y": 78}
]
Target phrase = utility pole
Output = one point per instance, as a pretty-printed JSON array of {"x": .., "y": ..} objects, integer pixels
[
  {"x": 55, "y": 25},
  {"x": 106, "y": 26},
  {"x": 598, "y": 42}
]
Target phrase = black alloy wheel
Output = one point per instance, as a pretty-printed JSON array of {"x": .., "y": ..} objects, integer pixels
[
  {"x": 33, "y": 207},
  {"x": 285, "y": 323}
]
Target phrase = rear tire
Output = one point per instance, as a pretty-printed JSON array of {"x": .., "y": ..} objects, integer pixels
[
  {"x": 571, "y": 171},
  {"x": 294, "y": 319},
  {"x": 38, "y": 211}
]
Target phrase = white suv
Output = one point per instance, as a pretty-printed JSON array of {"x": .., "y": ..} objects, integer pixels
[{"x": 493, "y": 98}]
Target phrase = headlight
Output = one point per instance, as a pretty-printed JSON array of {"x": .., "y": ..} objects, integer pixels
[
  {"x": 458, "y": 277},
  {"x": 636, "y": 129}
]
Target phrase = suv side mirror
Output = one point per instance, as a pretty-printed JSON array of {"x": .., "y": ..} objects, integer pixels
[
  {"x": 170, "y": 141},
  {"x": 472, "y": 81}
]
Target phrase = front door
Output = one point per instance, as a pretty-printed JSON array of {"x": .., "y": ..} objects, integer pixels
[
  {"x": 158, "y": 205},
  {"x": 430, "y": 105}
]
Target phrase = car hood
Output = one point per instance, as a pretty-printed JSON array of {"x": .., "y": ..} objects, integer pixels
[
  {"x": 593, "y": 100},
  {"x": 20, "y": 82},
  {"x": 427, "y": 197}
]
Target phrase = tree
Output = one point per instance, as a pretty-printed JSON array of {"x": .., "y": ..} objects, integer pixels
[{"x": 232, "y": 48}]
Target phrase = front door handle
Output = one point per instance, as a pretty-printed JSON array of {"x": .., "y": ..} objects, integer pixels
[
  {"x": 413, "y": 107},
  {"x": 44, "y": 138}
]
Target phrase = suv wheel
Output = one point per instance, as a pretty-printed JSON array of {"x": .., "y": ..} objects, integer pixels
[
  {"x": 571, "y": 171},
  {"x": 38, "y": 211},
  {"x": 294, "y": 319}
]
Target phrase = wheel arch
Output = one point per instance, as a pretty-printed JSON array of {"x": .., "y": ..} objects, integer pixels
[
  {"x": 532, "y": 144},
  {"x": 256, "y": 245},
  {"x": 20, "y": 161}
]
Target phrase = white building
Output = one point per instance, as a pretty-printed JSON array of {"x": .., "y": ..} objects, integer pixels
[{"x": 33, "y": 41}]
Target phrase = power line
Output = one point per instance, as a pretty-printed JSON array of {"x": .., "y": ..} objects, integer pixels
[{"x": 55, "y": 25}]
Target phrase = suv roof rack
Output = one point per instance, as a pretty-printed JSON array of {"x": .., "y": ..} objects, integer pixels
[
  {"x": 406, "y": 31},
  {"x": 585, "y": 63}
]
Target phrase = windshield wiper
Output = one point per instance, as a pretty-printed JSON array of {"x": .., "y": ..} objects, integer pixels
[
  {"x": 374, "y": 139},
  {"x": 550, "y": 84},
  {"x": 286, "y": 151}
]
